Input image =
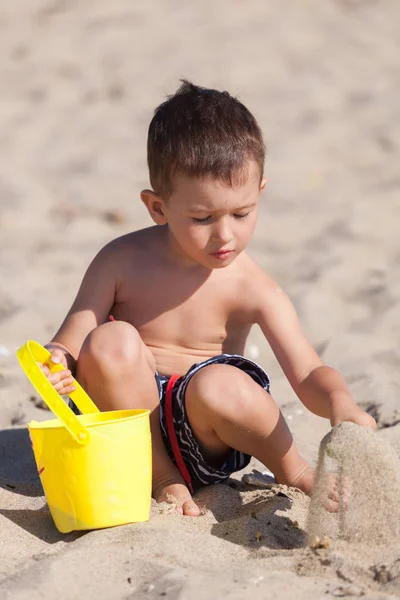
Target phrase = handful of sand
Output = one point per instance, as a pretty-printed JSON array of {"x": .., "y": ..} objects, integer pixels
[{"x": 368, "y": 472}]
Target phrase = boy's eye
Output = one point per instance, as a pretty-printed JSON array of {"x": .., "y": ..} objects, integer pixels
[
  {"x": 242, "y": 216},
  {"x": 205, "y": 220}
]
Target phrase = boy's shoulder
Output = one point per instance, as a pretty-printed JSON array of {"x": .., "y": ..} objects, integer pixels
[
  {"x": 137, "y": 239},
  {"x": 133, "y": 243},
  {"x": 262, "y": 295},
  {"x": 254, "y": 275},
  {"x": 131, "y": 252},
  {"x": 256, "y": 284}
]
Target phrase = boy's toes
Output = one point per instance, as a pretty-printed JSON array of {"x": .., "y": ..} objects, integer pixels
[
  {"x": 178, "y": 494},
  {"x": 331, "y": 506},
  {"x": 189, "y": 509},
  {"x": 334, "y": 495}
]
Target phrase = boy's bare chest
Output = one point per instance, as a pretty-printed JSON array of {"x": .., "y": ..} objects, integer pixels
[{"x": 200, "y": 317}]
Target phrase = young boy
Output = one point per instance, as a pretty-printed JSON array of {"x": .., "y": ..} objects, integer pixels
[{"x": 183, "y": 296}]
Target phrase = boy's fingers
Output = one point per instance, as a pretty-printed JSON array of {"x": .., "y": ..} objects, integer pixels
[
  {"x": 69, "y": 390},
  {"x": 58, "y": 357},
  {"x": 62, "y": 381},
  {"x": 63, "y": 389},
  {"x": 55, "y": 378},
  {"x": 44, "y": 368}
]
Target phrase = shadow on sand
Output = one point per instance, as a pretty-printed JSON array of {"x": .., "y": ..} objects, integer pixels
[
  {"x": 255, "y": 524},
  {"x": 17, "y": 464},
  {"x": 18, "y": 474}
]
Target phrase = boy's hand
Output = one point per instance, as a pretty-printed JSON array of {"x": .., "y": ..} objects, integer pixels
[
  {"x": 349, "y": 411},
  {"x": 62, "y": 381}
]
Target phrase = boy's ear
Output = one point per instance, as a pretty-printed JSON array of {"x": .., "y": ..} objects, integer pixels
[
  {"x": 155, "y": 205},
  {"x": 263, "y": 184}
]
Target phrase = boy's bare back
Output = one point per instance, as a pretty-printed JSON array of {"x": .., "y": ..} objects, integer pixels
[{"x": 183, "y": 313}]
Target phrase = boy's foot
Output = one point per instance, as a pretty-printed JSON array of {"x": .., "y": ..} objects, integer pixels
[
  {"x": 305, "y": 480},
  {"x": 335, "y": 492},
  {"x": 177, "y": 493}
]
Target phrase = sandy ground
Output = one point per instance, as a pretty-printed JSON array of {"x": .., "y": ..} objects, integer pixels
[{"x": 78, "y": 83}]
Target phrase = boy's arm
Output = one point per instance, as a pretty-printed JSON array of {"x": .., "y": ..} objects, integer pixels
[
  {"x": 91, "y": 306},
  {"x": 321, "y": 388}
]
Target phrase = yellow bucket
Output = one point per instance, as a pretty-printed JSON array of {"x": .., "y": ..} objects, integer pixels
[{"x": 95, "y": 468}]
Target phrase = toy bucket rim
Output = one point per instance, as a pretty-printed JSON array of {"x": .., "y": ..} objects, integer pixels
[{"x": 142, "y": 412}]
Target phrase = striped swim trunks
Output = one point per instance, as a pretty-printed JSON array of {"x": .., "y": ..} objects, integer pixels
[{"x": 181, "y": 445}]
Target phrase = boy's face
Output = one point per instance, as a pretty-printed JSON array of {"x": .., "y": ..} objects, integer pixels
[{"x": 210, "y": 223}]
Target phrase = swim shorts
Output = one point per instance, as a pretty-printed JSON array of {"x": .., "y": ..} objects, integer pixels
[{"x": 181, "y": 445}]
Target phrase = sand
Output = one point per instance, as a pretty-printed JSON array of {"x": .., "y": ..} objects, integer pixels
[
  {"x": 78, "y": 83},
  {"x": 366, "y": 471}
]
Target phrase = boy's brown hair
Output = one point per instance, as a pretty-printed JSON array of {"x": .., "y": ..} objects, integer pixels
[{"x": 202, "y": 132}]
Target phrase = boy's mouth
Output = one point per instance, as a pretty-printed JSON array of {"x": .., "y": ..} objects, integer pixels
[{"x": 222, "y": 254}]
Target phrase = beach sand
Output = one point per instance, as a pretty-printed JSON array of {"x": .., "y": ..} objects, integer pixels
[{"x": 78, "y": 84}]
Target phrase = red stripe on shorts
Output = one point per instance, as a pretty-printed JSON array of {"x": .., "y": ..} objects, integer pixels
[{"x": 172, "y": 433}]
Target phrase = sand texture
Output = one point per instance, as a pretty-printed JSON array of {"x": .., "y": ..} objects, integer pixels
[{"x": 78, "y": 84}]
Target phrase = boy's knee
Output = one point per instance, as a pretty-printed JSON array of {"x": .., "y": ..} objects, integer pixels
[
  {"x": 116, "y": 343},
  {"x": 221, "y": 388}
]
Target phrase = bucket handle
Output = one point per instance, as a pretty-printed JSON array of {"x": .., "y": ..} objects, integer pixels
[{"x": 29, "y": 355}]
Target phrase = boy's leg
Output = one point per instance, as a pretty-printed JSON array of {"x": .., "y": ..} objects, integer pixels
[
  {"x": 228, "y": 409},
  {"x": 117, "y": 371}
]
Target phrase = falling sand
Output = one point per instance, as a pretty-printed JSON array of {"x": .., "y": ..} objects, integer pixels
[{"x": 368, "y": 476}]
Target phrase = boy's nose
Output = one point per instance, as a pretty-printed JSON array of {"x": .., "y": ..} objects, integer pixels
[{"x": 222, "y": 232}]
